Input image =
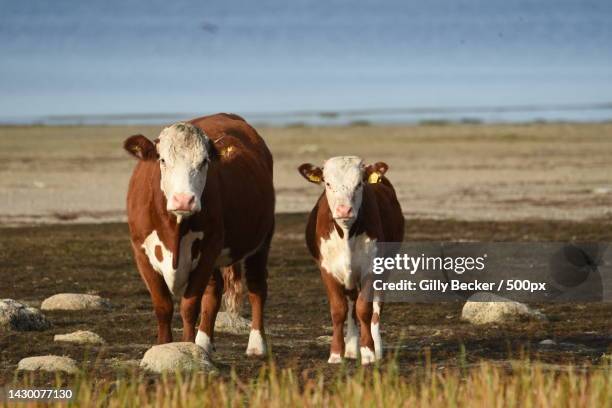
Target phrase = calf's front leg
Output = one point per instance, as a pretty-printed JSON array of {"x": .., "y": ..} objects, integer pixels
[
  {"x": 366, "y": 342},
  {"x": 339, "y": 309}
]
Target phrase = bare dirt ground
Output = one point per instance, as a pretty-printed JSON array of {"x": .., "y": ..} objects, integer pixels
[
  {"x": 468, "y": 172},
  {"x": 533, "y": 182},
  {"x": 37, "y": 262}
]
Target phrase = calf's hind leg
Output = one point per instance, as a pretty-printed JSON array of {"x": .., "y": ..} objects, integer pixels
[
  {"x": 352, "y": 333},
  {"x": 375, "y": 327}
]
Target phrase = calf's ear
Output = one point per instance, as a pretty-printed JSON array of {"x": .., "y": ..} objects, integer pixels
[
  {"x": 375, "y": 172},
  {"x": 311, "y": 173},
  {"x": 140, "y": 147}
]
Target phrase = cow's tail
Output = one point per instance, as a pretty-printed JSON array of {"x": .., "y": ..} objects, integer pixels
[{"x": 232, "y": 284}]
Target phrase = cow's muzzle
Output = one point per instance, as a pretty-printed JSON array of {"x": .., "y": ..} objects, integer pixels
[{"x": 183, "y": 204}]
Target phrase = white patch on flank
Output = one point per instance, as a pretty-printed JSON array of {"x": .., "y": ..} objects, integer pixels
[
  {"x": 256, "y": 346},
  {"x": 346, "y": 258},
  {"x": 375, "y": 328},
  {"x": 351, "y": 347},
  {"x": 176, "y": 279},
  {"x": 203, "y": 341},
  {"x": 334, "y": 358},
  {"x": 367, "y": 356}
]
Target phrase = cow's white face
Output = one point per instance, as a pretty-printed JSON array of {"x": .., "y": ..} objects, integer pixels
[
  {"x": 343, "y": 177},
  {"x": 183, "y": 160}
]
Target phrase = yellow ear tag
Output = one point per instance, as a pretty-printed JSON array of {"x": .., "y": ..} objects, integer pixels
[
  {"x": 227, "y": 151},
  {"x": 374, "y": 177},
  {"x": 314, "y": 179}
]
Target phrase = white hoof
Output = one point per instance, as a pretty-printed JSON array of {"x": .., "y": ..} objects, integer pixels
[
  {"x": 203, "y": 341},
  {"x": 334, "y": 358},
  {"x": 367, "y": 356},
  {"x": 256, "y": 346}
]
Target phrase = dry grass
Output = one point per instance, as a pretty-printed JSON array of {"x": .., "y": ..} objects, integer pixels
[{"x": 522, "y": 384}]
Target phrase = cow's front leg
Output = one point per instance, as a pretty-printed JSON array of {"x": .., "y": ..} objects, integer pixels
[
  {"x": 191, "y": 301},
  {"x": 160, "y": 297},
  {"x": 366, "y": 342},
  {"x": 190, "y": 309},
  {"x": 338, "y": 308},
  {"x": 211, "y": 302}
]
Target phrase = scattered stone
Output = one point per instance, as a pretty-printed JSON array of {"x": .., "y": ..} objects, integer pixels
[
  {"x": 184, "y": 356},
  {"x": 48, "y": 363},
  {"x": 17, "y": 316},
  {"x": 325, "y": 340},
  {"x": 484, "y": 307},
  {"x": 548, "y": 342},
  {"x": 75, "y": 301},
  {"x": 232, "y": 323},
  {"x": 80, "y": 337},
  {"x": 602, "y": 190}
]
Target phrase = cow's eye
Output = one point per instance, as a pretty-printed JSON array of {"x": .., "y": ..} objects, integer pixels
[
  {"x": 162, "y": 161},
  {"x": 327, "y": 184}
]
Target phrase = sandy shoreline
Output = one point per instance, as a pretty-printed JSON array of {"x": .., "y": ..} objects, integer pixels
[{"x": 79, "y": 174}]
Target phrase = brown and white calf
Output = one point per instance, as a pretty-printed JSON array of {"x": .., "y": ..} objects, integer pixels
[
  {"x": 357, "y": 210},
  {"x": 201, "y": 199}
]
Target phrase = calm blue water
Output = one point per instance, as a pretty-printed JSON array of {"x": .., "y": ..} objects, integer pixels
[{"x": 73, "y": 57}]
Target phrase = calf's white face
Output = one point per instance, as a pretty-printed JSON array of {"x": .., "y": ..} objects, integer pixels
[
  {"x": 183, "y": 160},
  {"x": 344, "y": 179}
]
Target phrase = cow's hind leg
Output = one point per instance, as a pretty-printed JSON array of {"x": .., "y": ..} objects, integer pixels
[
  {"x": 160, "y": 297},
  {"x": 256, "y": 272}
]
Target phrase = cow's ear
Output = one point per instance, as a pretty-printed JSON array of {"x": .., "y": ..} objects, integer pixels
[
  {"x": 140, "y": 147},
  {"x": 213, "y": 152},
  {"x": 375, "y": 172},
  {"x": 311, "y": 173}
]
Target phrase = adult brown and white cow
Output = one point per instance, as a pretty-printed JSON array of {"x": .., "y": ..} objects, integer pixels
[
  {"x": 357, "y": 210},
  {"x": 201, "y": 198}
]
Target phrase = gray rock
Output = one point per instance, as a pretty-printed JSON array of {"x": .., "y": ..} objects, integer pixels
[
  {"x": 17, "y": 316},
  {"x": 75, "y": 301},
  {"x": 483, "y": 308},
  {"x": 48, "y": 363},
  {"x": 80, "y": 337},
  {"x": 232, "y": 323},
  {"x": 548, "y": 342},
  {"x": 184, "y": 356}
]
